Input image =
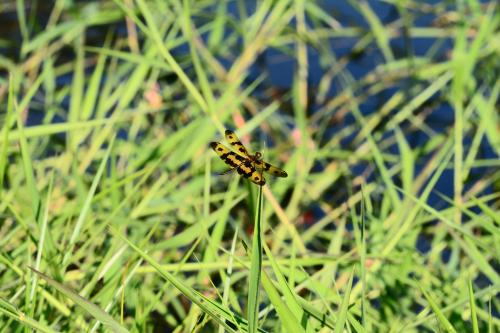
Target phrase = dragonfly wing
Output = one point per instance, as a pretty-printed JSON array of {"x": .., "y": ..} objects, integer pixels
[
  {"x": 242, "y": 165},
  {"x": 229, "y": 157},
  {"x": 233, "y": 140},
  {"x": 271, "y": 169}
]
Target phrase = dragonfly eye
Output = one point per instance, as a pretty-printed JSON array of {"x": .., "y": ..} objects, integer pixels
[{"x": 258, "y": 155}]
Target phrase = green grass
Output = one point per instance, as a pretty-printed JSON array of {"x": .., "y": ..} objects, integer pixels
[{"x": 113, "y": 215}]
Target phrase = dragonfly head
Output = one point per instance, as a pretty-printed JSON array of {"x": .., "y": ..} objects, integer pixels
[{"x": 258, "y": 155}]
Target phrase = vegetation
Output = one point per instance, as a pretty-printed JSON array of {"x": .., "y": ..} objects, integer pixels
[{"x": 113, "y": 212}]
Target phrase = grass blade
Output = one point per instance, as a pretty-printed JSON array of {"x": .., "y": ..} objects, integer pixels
[
  {"x": 86, "y": 206},
  {"x": 90, "y": 307},
  {"x": 437, "y": 311},
  {"x": 473, "y": 314},
  {"x": 342, "y": 317},
  {"x": 255, "y": 269}
]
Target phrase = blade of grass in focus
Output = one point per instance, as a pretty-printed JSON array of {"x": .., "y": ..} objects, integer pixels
[{"x": 255, "y": 268}]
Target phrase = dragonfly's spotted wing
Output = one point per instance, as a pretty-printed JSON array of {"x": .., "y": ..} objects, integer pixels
[
  {"x": 233, "y": 140},
  {"x": 243, "y": 165},
  {"x": 275, "y": 171},
  {"x": 236, "y": 143}
]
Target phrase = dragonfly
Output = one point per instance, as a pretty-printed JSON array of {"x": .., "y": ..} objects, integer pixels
[{"x": 250, "y": 166}]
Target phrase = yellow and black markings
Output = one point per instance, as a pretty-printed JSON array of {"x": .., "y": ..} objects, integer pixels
[{"x": 247, "y": 165}]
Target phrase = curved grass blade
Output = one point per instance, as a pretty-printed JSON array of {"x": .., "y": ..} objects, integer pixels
[
  {"x": 288, "y": 309},
  {"x": 438, "y": 312},
  {"x": 90, "y": 307},
  {"x": 342, "y": 317}
]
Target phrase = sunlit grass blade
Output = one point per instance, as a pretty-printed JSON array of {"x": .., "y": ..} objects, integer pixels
[
  {"x": 289, "y": 310},
  {"x": 227, "y": 281},
  {"x": 25, "y": 149},
  {"x": 255, "y": 269},
  {"x": 214, "y": 310},
  {"x": 490, "y": 318},
  {"x": 156, "y": 37},
  {"x": 90, "y": 307},
  {"x": 201, "y": 73},
  {"x": 362, "y": 259},
  {"x": 378, "y": 159},
  {"x": 344, "y": 306},
  {"x": 407, "y": 161},
  {"x": 77, "y": 91},
  {"x": 49, "y": 129},
  {"x": 5, "y": 131},
  {"x": 380, "y": 32},
  {"x": 9, "y": 310},
  {"x": 86, "y": 206},
  {"x": 437, "y": 311},
  {"x": 119, "y": 295},
  {"x": 289, "y": 322},
  {"x": 43, "y": 234},
  {"x": 472, "y": 303},
  {"x": 445, "y": 155}
]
